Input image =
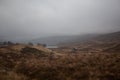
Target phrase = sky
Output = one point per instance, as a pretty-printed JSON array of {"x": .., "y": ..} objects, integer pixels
[{"x": 29, "y": 19}]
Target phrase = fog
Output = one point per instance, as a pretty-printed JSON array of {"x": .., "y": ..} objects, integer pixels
[{"x": 29, "y": 19}]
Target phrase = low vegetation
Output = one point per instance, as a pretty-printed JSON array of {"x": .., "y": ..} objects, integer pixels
[{"x": 33, "y": 64}]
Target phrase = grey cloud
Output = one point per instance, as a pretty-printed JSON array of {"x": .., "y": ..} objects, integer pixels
[{"x": 27, "y": 19}]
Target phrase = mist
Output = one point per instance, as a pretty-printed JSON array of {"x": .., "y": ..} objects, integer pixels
[{"x": 30, "y": 19}]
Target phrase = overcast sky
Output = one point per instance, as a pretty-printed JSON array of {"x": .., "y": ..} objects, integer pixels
[{"x": 28, "y": 19}]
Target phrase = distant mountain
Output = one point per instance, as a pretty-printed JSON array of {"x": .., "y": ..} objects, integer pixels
[
  {"x": 101, "y": 38},
  {"x": 54, "y": 40},
  {"x": 108, "y": 42},
  {"x": 109, "y": 37},
  {"x": 78, "y": 39},
  {"x": 101, "y": 41}
]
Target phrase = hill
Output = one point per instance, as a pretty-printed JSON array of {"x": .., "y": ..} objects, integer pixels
[
  {"x": 21, "y": 62},
  {"x": 95, "y": 58},
  {"x": 95, "y": 44},
  {"x": 78, "y": 39},
  {"x": 106, "y": 41},
  {"x": 55, "y": 40},
  {"x": 110, "y": 37},
  {"x": 113, "y": 49}
]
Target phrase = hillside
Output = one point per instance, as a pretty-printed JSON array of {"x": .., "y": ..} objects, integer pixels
[
  {"x": 19, "y": 47},
  {"x": 113, "y": 49},
  {"x": 55, "y": 40},
  {"x": 76, "y": 39},
  {"x": 106, "y": 41},
  {"x": 29, "y": 63},
  {"x": 96, "y": 58},
  {"x": 98, "y": 43},
  {"x": 110, "y": 37}
]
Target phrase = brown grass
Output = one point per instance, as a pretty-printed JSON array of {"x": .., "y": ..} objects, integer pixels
[
  {"x": 82, "y": 66},
  {"x": 12, "y": 76}
]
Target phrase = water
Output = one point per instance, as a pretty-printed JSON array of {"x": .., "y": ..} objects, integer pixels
[{"x": 52, "y": 46}]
